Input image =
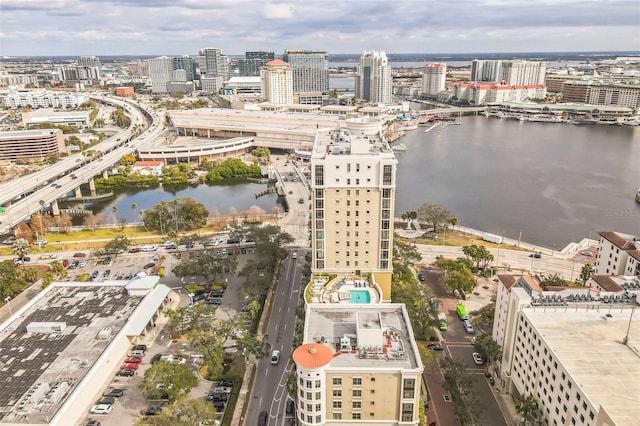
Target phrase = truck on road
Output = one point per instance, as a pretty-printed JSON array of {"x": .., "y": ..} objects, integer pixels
[{"x": 462, "y": 312}]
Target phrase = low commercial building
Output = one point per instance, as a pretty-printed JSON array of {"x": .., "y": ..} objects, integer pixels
[
  {"x": 124, "y": 91},
  {"x": 595, "y": 92},
  {"x": 31, "y": 145},
  {"x": 496, "y": 92},
  {"x": 574, "y": 349},
  {"x": 48, "y": 115},
  {"x": 359, "y": 364},
  {"x": 62, "y": 348},
  {"x": 148, "y": 168}
]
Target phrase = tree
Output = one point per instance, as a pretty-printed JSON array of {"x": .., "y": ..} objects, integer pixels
[
  {"x": 527, "y": 407},
  {"x": 585, "y": 273},
  {"x": 181, "y": 214},
  {"x": 208, "y": 265},
  {"x": 488, "y": 348},
  {"x": 405, "y": 251},
  {"x": 21, "y": 248},
  {"x": 460, "y": 385},
  {"x": 457, "y": 275},
  {"x": 47, "y": 279},
  {"x": 185, "y": 412},
  {"x": 478, "y": 254},
  {"x": 262, "y": 153},
  {"x": 553, "y": 280},
  {"x": 167, "y": 379},
  {"x": 30, "y": 274},
  {"x": 11, "y": 283},
  {"x": 117, "y": 245},
  {"x": 435, "y": 215}
]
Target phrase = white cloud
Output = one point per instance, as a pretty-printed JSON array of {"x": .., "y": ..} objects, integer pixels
[{"x": 277, "y": 11}]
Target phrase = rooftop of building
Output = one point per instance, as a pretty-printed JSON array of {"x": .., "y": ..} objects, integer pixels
[
  {"x": 566, "y": 107},
  {"x": 350, "y": 142},
  {"x": 50, "y": 346},
  {"x": 363, "y": 336},
  {"x": 620, "y": 240},
  {"x": 13, "y": 134},
  {"x": 588, "y": 344},
  {"x": 634, "y": 84}
]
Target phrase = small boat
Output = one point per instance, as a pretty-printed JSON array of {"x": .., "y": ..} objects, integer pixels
[
  {"x": 583, "y": 120},
  {"x": 638, "y": 196},
  {"x": 399, "y": 147}
]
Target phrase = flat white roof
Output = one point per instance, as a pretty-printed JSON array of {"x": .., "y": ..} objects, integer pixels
[{"x": 588, "y": 344}]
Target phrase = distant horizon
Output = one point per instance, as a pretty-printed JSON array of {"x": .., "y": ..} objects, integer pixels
[{"x": 390, "y": 55}]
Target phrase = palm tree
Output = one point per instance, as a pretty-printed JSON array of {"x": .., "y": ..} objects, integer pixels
[
  {"x": 134, "y": 206},
  {"x": 21, "y": 248},
  {"x": 526, "y": 406},
  {"x": 115, "y": 213}
]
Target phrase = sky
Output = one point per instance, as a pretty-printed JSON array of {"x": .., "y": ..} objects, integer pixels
[{"x": 176, "y": 27}]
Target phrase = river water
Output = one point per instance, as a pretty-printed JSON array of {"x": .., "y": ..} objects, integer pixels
[{"x": 555, "y": 183}]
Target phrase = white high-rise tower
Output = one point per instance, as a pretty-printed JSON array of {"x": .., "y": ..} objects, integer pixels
[{"x": 373, "y": 79}]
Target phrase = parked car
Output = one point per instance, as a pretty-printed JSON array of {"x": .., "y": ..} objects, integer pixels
[
  {"x": 93, "y": 423},
  {"x": 150, "y": 411},
  {"x": 94, "y": 275},
  {"x": 79, "y": 254},
  {"x": 468, "y": 327},
  {"x": 294, "y": 255},
  {"x": 435, "y": 347},
  {"x": 101, "y": 409},
  {"x": 107, "y": 400},
  {"x": 106, "y": 273},
  {"x": 127, "y": 372},
  {"x": 218, "y": 396},
  {"x": 477, "y": 359},
  {"x": 116, "y": 393},
  {"x": 133, "y": 359},
  {"x": 262, "y": 418},
  {"x": 139, "y": 348},
  {"x": 421, "y": 276},
  {"x": 82, "y": 264},
  {"x": 155, "y": 358},
  {"x": 300, "y": 200},
  {"x": 225, "y": 383},
  {"x": 536, "y": 255},
  {"x": 291, "y": 406},
  {"x": 586, "y": 253},
  {"x": 149, "y": 265}
]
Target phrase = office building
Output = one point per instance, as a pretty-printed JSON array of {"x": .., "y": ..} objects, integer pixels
[
  {"x": 373, "y": 78},
  {"x": 250, "y": 65},
  {"x": 161, "y": 73},
  {"x": 573, "y": 349},
  {"x": 213, "y": 63},
  {"x": 353, "y": 184},
  {"x": 618, "y": 254},
  {"x": 31, "y": 145},
  {"x": 434, "y": 76},
  {"x": 510, "y": 72},
  {"x": 48, "y": 115},
  {"x": 490, "y": 92},
  {"x": 358, "y": 364},
  {"x": 186, "y": 63},
  {"x": 310, "y": 70},
  {"x": 61, "y": 350},
  {"x": 276, "y": 79}
]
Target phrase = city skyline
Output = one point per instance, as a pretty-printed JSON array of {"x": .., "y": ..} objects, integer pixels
[{"x": 89, "y": 27}]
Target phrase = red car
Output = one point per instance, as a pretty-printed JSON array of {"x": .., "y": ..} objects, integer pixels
[
  {"x": 129, "y": 366},
  {"x": 133, "y": 360}
]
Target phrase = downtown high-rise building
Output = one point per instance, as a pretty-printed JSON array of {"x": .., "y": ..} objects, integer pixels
[
  {"x": 214, "y": 69},
  {"x": 512, "y": 72},
  {"x": 310, "y": 70},
  {"x": 250, "y": 65},
  {"x": 186, "y": 63},
  {"x": 434, "y": 77},
  {"x": 353, "y": 185},
  {"x": 161, "y": 73},
  {"x": 276, "y": 81},
  {"x": 91, "y": 62},
  {"x": 373, "y": 78}
]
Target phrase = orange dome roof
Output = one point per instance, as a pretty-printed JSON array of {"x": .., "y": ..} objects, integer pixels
[{"x": 312, "y": 355}]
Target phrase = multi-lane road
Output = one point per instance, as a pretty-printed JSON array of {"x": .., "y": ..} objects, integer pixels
[{"x": 23, "y": 196}]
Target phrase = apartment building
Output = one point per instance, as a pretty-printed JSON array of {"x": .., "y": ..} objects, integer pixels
[
  {"x": 276, "y": 79},
  {"x": 161, "y": 73},
  {"x": 358, "y": 364},
  {"x": 490, "y": 92},
  {"x": 310, "y": 70},
  {"x": 572, "y": 348},
  {"x": 353, "y": 184},
  {"x": 213, "y": 63},
  {"x": 434, "y": 77},
  {"x": 373, "y": 77},
  {"x": 511, "y": 72},
  {"x": 44, "y": 99},
  {"x": 618, "y": 254},
  {"x": 31, "y": 145}
]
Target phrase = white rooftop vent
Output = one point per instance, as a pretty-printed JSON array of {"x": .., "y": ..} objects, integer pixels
[{"x": 46, "y": 327}]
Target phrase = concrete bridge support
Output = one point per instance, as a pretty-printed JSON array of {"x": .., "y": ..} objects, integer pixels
[
  {"x": 105, "y": 175},
  {"x": 55, "y": 209},
  {"x": 78, "y": 192},
  {"x": 92, "y": 187}
]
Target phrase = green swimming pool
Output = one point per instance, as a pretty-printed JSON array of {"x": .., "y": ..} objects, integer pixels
[{"x": 360, "y": 296}]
